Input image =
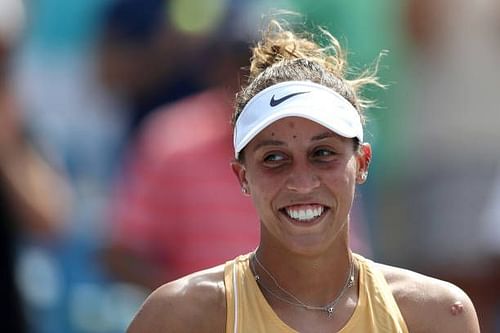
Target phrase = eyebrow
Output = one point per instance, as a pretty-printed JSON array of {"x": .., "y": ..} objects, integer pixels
[
  {"x": 268, "y": 143},
  {"x": 322, "y": 136}
]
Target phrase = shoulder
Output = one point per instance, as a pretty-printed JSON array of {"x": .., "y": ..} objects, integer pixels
[
  {"x": 195, "y": 303},
  {"x": 429, "y": 304}
]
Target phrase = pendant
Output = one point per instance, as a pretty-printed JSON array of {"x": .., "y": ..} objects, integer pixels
[
  {"x": 330, "y": 311},
  {"x": 351, "y": 281}
]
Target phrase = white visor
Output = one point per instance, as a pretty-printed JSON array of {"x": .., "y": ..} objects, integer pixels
[{"x": 303, "y": 99}]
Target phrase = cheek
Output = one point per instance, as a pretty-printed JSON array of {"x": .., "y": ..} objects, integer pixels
[
  {"x": 342, "y": 181},
  {"x": 352, "y": 170},
  {"x": 263, "y": 199},
  {"x": 351, "y": 176},
  {"x": 344, "y": 174},
  {"x": 263, "y": 188}
]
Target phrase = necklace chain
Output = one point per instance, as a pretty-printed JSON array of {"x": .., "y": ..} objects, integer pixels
[{"x": 328, "y": 308}]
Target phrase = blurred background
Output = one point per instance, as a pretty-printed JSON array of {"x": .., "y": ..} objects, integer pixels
[{"x": 115, "y": 145}]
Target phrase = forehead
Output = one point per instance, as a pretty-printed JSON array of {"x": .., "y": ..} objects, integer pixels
[
  {"x": 292, "y": 131},
  {"x": 294, "y": 126}
]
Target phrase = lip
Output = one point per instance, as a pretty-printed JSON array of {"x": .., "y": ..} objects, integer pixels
[
  {"x": 304, "y": 206},
  {"x": 297, "y": 204}
]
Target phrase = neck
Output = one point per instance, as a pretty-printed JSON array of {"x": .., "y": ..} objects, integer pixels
[{"x": 313, "y": 279}]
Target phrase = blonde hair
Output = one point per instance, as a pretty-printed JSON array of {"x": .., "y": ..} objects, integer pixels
[{"x": 283, "y": 55}]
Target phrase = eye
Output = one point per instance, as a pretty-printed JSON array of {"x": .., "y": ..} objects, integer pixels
[
  {"x": 324, "y": 154},
  {"x": 274, "y": 158}
]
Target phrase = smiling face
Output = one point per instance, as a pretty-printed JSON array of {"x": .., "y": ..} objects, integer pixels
[{"x": 302, "y": 177}]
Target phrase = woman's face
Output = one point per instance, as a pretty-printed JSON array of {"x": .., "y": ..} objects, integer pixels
[{"x": 301, "y": 177}]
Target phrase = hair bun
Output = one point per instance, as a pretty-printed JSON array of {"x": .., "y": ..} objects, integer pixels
[{"x": 279, "y": 44}]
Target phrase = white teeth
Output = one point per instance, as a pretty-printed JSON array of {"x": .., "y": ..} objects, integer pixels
[{"x": 305, "y": 214}]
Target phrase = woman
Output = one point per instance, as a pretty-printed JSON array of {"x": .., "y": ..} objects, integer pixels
[{"x": 299, "y": 153}]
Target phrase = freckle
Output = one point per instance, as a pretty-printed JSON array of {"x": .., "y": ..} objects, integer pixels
[
  {"x": 272, "y": 134},
  {"x": 291, "y": 124},
  {"x": 457, "y": 308},
  {"x": 295, "y": 137}
]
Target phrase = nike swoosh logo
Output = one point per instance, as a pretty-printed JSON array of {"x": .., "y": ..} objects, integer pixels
[{"x": 278, "y": 101}]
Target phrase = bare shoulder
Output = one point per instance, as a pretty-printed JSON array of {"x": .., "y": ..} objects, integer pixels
[
  {"x": 195, "y": 303},
  {"x": 429, "y": 304}
]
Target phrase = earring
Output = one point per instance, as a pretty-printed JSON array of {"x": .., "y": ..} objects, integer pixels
[
  {"x": 362, "y": 177},
  {"x": 244, "y": 190}
]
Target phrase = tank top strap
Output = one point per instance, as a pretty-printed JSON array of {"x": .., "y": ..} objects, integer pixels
[
  {"x": 377, "y": 308},
  {"x": 233, "y": 271}
]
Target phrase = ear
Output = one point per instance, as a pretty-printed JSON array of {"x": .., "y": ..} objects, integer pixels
[
  {"x": 363, "y": 158},
  {"x": 240, "y": 172}
]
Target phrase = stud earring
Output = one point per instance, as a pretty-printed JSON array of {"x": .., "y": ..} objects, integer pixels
[
  {"x": 244, "y": 190},
  {"x": 362, "y": 177}
]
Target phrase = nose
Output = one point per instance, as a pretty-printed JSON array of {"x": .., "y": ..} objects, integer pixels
[{"x": 302, "y": 179}]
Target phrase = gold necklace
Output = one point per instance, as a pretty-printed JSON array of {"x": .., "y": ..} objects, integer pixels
[{"x": 329, "y": 308}]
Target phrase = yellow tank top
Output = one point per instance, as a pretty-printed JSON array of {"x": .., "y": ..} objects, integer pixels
[{"x": 248, "y": 310}]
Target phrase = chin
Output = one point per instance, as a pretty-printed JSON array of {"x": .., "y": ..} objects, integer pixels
[{"x": 310, "y": 245}]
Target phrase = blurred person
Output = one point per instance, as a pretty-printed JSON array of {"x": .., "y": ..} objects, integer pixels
[
  {"x": 299, "y": 155},
  {"x": 138, "y": 57},
  {"x": 170, "y": 211},
  {"x": 79, "y": 127},
  {"x": 25, "y": 179},
  {"x": 454, "y": 153},
  {"x": 491, "y": 218},
  {"x": 490, "y": 235}
]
